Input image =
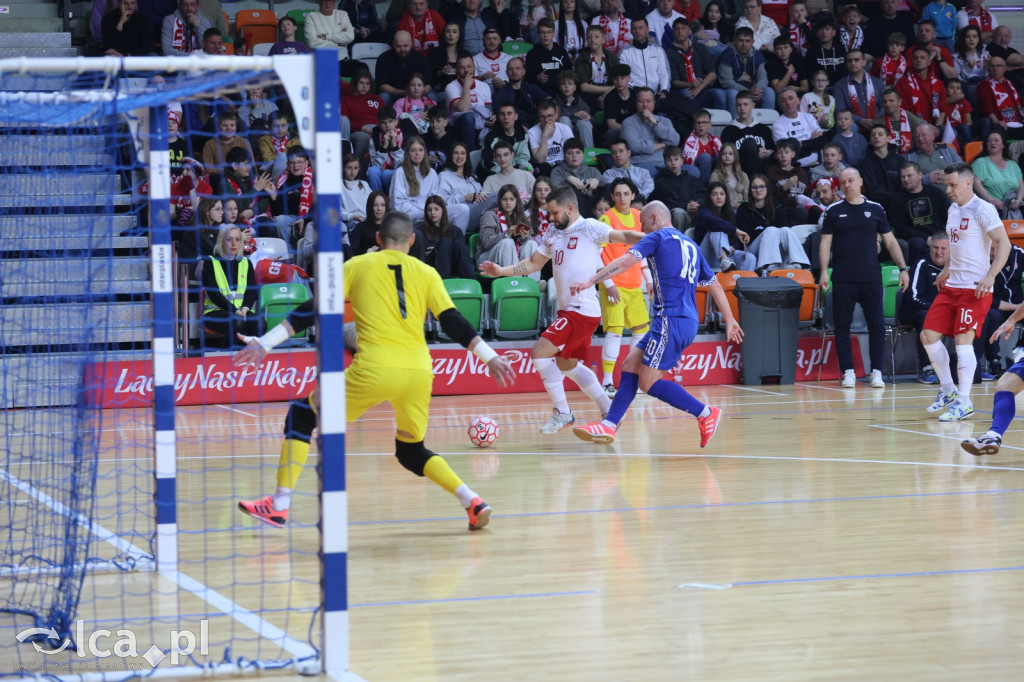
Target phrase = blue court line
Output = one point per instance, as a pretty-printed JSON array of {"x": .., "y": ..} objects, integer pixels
[
  {"x": 416, "y": 602},
  {"x": 700, "y": 506},
  {"x": 875, "y": 576}
]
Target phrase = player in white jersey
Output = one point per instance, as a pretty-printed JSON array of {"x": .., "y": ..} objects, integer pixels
[
  {"x": 965, "y": 290},
  {"x": 574, "y": 246}
]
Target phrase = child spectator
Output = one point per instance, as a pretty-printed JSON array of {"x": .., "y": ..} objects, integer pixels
[
  {"x": 228, "y": 139},
  {"x": 273, "y": 148},
  {"x": 594, "y": 66},
  {"x": 575, "y": 113},
  {"x": 461, "y": 191},
  {"x": 546, "y": 59},
  {"x": 438, "y": 139},
  {"x": 831, "y": 164},
  {"x": 440, "y": 245},
  {"x": 254, "y": 193},
  {"x": 537, "y": 212},
  {"x": 678, "y": 190},
  {"x": 505, "y": 236},
  {"x": 354, "y": 193},
  {"x": 506, "y": 129},
  {"x": 363, "y": 238},
  {"x": 784, "y": 69},
  {"x": 619, "y": 104},
  {"x": 849, "y": 139},
  {"x": 787, "y": 180},
  {"x": 892, "y": 66},
  {"x": 818, "y": 102},
  {"x": 413, "y": 181},
  {"x": 257, "y": 111},
  {"x": 584, "y": 179},
  {"x": 533, "y": 14},
  {"x": 799, "y": 28},
  {"x": 387, "y": 149},
  {"x": 958, "y": 112},
  {"x": 701, "y": 148},
  {"x": 415, "y": 105},
  {"x": 729, "y": 172},
  {"x": 292, "y": 208},
  {"x": 507, "y": 173},
  {"x": 851, "y": 35},
  {"x": 361, "y": 108},
  {"x": 286, "y": 43}
]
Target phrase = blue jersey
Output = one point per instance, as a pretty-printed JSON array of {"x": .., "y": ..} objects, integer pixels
[{"x": 677, "y": 267}]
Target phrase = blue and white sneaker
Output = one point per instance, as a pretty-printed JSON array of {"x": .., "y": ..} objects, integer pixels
[
  {"x": 943, "y": 400},
  {"x": 928, "y": 375},
  {"x": 983, "y": 445},
  {"x": 958, "y": 411}
]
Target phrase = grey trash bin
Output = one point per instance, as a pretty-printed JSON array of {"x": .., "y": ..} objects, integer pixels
[{"x": 769, "y": 314}]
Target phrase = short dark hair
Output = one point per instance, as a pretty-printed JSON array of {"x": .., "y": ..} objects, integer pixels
[
  {"x": 349, "y": 158},
  {"x": 546, "y": 22},
  {"x": 386, "y": 113},
  {"x": 211, "y": 32},
  {"x": 619, "y": 70},
  {"x": 437, "y": 111},
  {"x": 892, "y": 91},
  {"x": 782, "y": 40},
  {"x": 622, "y": 180},
  {"x": 548, "y": 103},
  {"x": 567, "y": 75},
  {"x": 563, "y": 196},
  {"x": 670, "y": 151},
  {"x": 744, "y": 31},
  {"x": 395, "y": 227},
  {"x": 236, "y": 155},
  {"x": 930, "y": 22},
  {"x": 745, "y": 94},
  {"x": 963, "y": 169},
  {"x": 911, "y": 164},
  {"x": 503, "y": 144},
  {"x": 573, "y": 143},
  {"x": 790, "y": 143}
]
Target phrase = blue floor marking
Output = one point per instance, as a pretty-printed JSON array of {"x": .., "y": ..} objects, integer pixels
[
  {"x": 702, "y": 506},
  {"x": 876, "y": 576},
  {"x": 415, "y": 602}
]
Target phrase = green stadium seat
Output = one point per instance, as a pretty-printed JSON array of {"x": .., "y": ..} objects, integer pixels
[
  {"x": 516, "y": 48},
  {"x": 277, "y": 300},
  {"x": 468, "y": 297},
  {"x": 515, "y": 307},
  {"x": 591, "y": 154},
  {"x": 299, "y": 15}
]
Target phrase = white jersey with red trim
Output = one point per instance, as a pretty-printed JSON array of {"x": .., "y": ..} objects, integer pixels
[
  {"x": 575, "y": 254},
  {"x": 969, "y": 242}
]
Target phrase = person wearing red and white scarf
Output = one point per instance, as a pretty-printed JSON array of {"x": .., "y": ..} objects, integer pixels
[
  {"x": 701, "y": 147},
  {"x": 273, "y": 148},
  {"x": 615, "y": 25},
  {"x": 897, "y": 121},
  {"x": 851, "y": 35},
  {"x": 922, "y": 92},
  {"x": 295, "y": 195},
  {"x": 976, "y": 15},
  {"x": 999, "y": 101},
  {"x": 182, "y": 31},
  {"x": 859, "y": 92},
  {"x": 892, "y": 66},
  {"x": 424, "y": 25}
]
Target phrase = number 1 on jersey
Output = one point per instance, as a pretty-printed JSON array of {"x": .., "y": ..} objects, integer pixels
[{"x": 400, "y": 287}]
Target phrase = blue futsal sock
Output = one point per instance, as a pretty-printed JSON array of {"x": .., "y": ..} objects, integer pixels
[
  {"x": 628, "y": 384},
  {"x": 1003, "y": 410},
  {"x": 676, "y": 396}
]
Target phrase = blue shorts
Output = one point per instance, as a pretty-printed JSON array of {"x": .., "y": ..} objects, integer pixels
[
  {"x": 1018, "y": 369},
  {"x": 667, "y": 339}
]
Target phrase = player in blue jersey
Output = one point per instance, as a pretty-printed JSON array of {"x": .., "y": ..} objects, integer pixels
[{"x": 678, "y": 268}]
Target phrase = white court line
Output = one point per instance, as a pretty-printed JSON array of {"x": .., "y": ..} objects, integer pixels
[
  {"x": 936, "y": 435},
  {"x": 211, "y": 597},
  {"x": 758, "y": 390},
  {"x": 231, "y": 409}
]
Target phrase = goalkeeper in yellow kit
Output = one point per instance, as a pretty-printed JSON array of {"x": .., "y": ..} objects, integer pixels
[{"x": 390, "y": 293}]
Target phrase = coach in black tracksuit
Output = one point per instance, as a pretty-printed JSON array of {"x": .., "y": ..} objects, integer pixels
[
  {"x": 850, "y": 232},
  {"x": 1007, "y": 294}
]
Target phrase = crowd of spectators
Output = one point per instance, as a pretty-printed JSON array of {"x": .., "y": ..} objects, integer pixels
[{"x": 468, "y": 137}]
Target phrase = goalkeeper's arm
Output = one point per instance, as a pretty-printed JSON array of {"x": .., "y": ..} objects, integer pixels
[{"x": 303, "y": 317}]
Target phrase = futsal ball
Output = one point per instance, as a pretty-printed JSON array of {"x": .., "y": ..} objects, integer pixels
[{"x": 483, "y": 431}]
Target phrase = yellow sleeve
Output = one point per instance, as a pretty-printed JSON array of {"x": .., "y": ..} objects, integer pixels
[{"x": 438, "y": 299}]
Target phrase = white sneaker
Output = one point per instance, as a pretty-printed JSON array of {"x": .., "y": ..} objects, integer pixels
[
  {"x": 876, "y": 379},
  {"x": 557, "y": 422},
  {"x": 609, "y": 389},
  {"x": 942, "y": 401},
  {"x": 1016, "y": 354},
  {"x": 849, "y": 379},
  {"x": 958, "y": 411}
]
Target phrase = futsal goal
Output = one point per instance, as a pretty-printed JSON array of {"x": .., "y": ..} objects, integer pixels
[{"x": 128, "y": 434}]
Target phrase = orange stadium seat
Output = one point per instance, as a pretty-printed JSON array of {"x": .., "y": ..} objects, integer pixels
[
  {"x": 702, "y": 305},
  {"x": 971, "y": 151},
  {"x": 254, "y": 26},
  {"x": 809, "y": 302},
  {"x": 1015, "y": 231},
  {"x": 728, "y": 282}
]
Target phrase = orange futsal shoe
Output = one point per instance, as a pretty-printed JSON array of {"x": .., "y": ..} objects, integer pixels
[
  {"x": 595, "y": 432},
  {"x": 479, "y": 513},
  {"x": 708, "y": 425},
  {"x": 264, "y": 511}
]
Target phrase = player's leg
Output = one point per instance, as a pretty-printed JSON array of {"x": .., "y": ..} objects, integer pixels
[
  {"x": 410, "y": 399},
  {"x": 872, "y": 302},
  {"x": 612, "y": 319},
  {"x": 543, "y": 356},
  {"x": 585, "y": 378},
  {"x": 1003, "y": 411},
  {"x": 966, "y": 366},
  {"x": 937, "y": 323},
  {"x": 604, "y": 431},
  {"x": 298, "y": 429}
]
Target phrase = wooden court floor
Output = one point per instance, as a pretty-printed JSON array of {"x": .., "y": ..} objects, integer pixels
[{"x": 822, "y": 535}]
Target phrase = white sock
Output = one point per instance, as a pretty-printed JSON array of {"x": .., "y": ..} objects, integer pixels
[
  {"x": 282, "y": 499},
  {"x": 992, "y": 434},
  {"x": 588, "y": 383},
  {"x": 552, "y": 378},
  {"x": 705, "y": 412},
  {"x": 940, "y": 363},
  {"x": 638, "y": 337},
  {"x": 465, "y": 495},
  {"x": 610, "y": 351},
  {"x": 966, "y": 363}
]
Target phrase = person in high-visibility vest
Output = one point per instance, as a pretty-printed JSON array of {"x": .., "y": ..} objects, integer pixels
[
  {"x": 229, "y": 282},
  {"x": 622, "y": 296}
]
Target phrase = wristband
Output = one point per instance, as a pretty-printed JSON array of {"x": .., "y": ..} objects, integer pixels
[
  {"x": 484, "y": 352},
  {"x": 275, "y": 337}
]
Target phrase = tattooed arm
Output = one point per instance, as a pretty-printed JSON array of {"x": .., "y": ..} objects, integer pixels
[
  {"x": 616, "y": 267},
  {"x": 523, "y": 267}
]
